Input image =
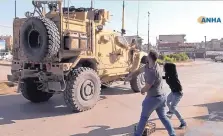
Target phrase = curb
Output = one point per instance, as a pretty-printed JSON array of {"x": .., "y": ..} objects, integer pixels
[
  {"x": 188, "y": 64},
  {"x": 192, "y": 64},
  {"x": 1, "y": 64},
  {"x": 5, "y": 63}
]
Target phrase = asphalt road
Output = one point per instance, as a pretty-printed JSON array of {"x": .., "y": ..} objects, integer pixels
[{"x": 119, "y": 109}]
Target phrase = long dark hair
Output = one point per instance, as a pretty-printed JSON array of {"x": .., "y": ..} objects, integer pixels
[
  {"x": 170, "y": 69},
  {"x": 133, "y": 41}
]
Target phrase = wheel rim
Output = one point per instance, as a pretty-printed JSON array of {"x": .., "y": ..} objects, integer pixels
[
  {"x": 87, "y": 90},
  {"x": 34, "y": 39},
  {"x": 142, "y": 79}
]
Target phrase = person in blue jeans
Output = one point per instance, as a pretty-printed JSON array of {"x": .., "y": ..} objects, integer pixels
[
  {"x": 176, "y": 94},
  {"x": 155, "y": 99}
]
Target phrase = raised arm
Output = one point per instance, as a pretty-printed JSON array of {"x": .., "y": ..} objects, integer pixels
[{"x": 135, "y": 73}]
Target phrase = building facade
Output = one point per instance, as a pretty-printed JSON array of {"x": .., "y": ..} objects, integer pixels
[
  {"x": 178, "y": 38},
  {"x": 168, "y": 44},
  {"x": 215, "y": 45},
  {"x": 8, "y": 41},
  {"x": 173, "y": 43}
]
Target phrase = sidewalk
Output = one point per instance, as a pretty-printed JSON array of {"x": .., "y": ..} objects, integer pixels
[{"x": 5, "y": 63}]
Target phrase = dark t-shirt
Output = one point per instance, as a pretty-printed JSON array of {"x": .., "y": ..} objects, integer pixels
[
  {"x": 153, "y": 76},
  {"x": 171, "y": 77}
]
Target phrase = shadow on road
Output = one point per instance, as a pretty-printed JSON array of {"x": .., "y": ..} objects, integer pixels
[
  {"x": 15, "y": 107},
  {"x": 116, "y": 91},
  {"x": 215, "y": 112},
  {"x": 105, "y": 131}
]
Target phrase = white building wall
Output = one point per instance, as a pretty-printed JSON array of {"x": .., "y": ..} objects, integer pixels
[{"x": 172, "y": 38}]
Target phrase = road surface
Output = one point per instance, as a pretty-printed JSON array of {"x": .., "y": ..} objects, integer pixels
[
  {"x": 4, "y": 71},
  {"x": 119, "y": 109}
]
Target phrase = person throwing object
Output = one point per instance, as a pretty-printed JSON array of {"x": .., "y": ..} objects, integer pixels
[
  {"x": 155, "y": 99},
  {"x": 176, "y": 94}
]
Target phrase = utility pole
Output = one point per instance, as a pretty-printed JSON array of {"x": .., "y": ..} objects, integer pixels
[
  {"x": 205, "y": 46},
  {"x": 156, "y": 43},
  {"x": 148, "y": 32},
  {"x": 123, "y": 18}
]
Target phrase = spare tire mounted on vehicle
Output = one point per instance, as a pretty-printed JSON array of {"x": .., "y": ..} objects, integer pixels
[{"x": 40, "y": 39}]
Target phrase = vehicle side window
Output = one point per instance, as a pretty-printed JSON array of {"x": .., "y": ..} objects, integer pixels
[
  {"x": 104, "y": 39},
  {"x": 121, "y": 41}
]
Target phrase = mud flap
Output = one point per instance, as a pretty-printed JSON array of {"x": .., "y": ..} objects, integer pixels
[
  {"x": 19, "y": 87},
  {"x": 56, "y": 86},
  {"x": 10, "y": 78}
]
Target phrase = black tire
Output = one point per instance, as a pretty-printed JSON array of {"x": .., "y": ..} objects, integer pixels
[
  {"x": 104, "y": 87},
  {"x": 74, "y": 93},
  {"x": 40, "y": 39},
  {"x": 29, "y": 90},
  {"x": 138, "y": 82}
]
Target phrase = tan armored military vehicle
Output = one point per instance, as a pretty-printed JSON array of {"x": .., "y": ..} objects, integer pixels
[{"x": 66, "y": 50}]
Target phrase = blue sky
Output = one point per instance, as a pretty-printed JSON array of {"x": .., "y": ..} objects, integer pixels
[{"x": 167, "y": 17}]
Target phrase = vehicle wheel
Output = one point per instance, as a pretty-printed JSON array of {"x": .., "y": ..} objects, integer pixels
[
  {"x": 215, "y": 60},
  {"x": 138, "y": 82},
  {"x": 29, "y": 90},
  {"x": 40, "y": 39},
  {"x": 83, "y": 89}
]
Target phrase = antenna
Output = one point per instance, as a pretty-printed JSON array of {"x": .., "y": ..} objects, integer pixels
[
  {"x": 123, "y": 18},
  {"x": 138, "y": 21},
  {"x": 15, "y": 8},
  {"x": 68, "y": 18},
  {"x": 148, "y": 32},
  {"x": 91, "y": 22},
  {"x": 138, "y": 27},
  {"x": 92, "y": 4}
]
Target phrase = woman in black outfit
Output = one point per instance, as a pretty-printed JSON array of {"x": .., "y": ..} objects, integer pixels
[{"x": 176, "y": 94}]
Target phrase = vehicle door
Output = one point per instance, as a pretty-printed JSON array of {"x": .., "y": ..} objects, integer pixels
[
  {"x": 121, "y": 51},
  {"x": 103, "y": 50}
]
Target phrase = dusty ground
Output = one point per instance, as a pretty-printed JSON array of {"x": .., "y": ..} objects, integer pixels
[
  {"x": 119, "y": 109},
  {"x": 4, "y": 70}
]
